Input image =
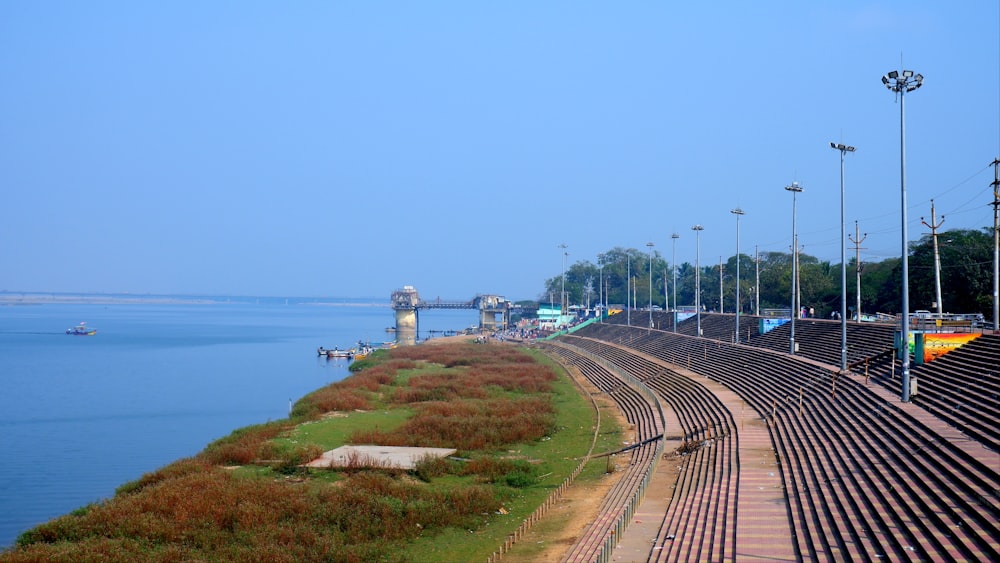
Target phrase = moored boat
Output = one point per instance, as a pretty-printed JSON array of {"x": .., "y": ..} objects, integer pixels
[{"x": 336, "y": 353}]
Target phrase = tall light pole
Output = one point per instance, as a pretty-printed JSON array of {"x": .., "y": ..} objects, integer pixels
[
  {"x": 650, "y": 246},
  {"x": 844, "y": 149},
  {"x": 562, "y": 293},
  {"x": 795, "y": 188},
  {"x": 738, "y": 212},
  {"x": 697, "y": 274},
  {"x": 673, "y": 265},
  {"x": 901, "y": 83}
]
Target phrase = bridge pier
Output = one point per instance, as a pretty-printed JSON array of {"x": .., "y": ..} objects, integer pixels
[
  {"x": 488, "y": 319},
  {"x": 407, "y": 320},
  {"x": 406, "y": 303}
]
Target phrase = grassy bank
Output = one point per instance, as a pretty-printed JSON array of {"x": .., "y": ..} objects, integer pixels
[{"x": 519, "y": 424}]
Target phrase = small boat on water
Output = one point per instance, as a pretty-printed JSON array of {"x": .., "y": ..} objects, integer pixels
[
  {"x": 362, "y": 350},
  {"x": 81, "y": 330},
  {"x": 336, "y": 353}
]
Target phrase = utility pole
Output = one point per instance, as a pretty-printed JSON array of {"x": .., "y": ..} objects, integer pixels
[
  {"x": 628, "y": 288},
  {"x": 673, "y": 268},
  {"x": 857, "y": 266},
  {"x": 650, "y": 305},
  {"x": 635, "y": 291},
  {"x": 562, "y": 292},
  {"x": 666, "y": 299},
  {"x": 934, "y": 226},
  {"x": 720, "y": 286},
  {"x": 600, "y": 289},
  {"x": 996, "y": 244},
  {"x": 798, "y": 277},
  {"x": 756, "y": 290}
]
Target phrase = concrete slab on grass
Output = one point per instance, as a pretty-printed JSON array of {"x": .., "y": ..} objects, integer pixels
[{"x": 377, "y": 456}]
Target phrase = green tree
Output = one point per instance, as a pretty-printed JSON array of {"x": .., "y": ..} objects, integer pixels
[
  {"x": 966, "y": 271},
  {"x": 966, "y": 279}
]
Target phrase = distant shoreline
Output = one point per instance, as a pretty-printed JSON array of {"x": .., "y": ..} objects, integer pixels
[{"x": 29, "y": 298}]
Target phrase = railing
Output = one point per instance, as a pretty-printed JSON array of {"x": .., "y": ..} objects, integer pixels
[{"x": 625, "y": 517}]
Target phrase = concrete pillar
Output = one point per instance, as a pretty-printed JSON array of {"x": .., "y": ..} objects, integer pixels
[
  {"x": 406, "y": 320},
  {"x": 407, "y": 323}
]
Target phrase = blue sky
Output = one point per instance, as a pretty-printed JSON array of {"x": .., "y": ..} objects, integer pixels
[{"x": 349, "y": 148}]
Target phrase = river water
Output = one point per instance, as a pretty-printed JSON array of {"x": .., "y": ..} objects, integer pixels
[{"x": 80, "y": 415}]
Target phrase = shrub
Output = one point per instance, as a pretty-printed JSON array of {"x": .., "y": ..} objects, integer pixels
[
  {"x": 430, "y": 466},
  {"x": 291, "y": 459},
  {"x": 243, "y": 446},
  {"x": 331, "y": 398},
  {"x": 176, "y": 469}
]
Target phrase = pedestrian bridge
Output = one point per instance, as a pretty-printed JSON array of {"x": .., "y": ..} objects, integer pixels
[{"x": 494, "y": 310}]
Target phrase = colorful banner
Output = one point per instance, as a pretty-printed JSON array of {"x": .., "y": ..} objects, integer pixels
[
  {"x": 767, "y": 325},
  {"x": 940, "y": 343}
]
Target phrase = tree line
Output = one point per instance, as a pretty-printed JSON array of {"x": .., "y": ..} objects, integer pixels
[{"x": 966, "y": 279}]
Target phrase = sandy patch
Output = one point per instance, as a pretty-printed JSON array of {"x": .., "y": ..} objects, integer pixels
[{"x": 394, "y": 457}]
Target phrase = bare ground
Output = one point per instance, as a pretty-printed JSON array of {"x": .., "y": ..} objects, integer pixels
[{"x": 559, "y": 529}]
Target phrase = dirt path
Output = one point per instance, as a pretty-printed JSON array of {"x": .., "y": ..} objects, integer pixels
[{"x": 548, "y": 540}]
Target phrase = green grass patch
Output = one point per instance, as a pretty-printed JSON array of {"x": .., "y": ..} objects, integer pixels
[{"x": 333, "y": 431}]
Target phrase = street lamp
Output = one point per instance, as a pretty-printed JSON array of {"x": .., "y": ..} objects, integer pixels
[
  {"x": 901, "y": 83},
  {"x": 697, "y": 274},
  {"x": 795, "y": 188},
  {"x": 738, "y": 212},
  {"x": 650, "y": 246},
  {"x": 844, "y": 149},
  {"x": 673, "y": 263}
]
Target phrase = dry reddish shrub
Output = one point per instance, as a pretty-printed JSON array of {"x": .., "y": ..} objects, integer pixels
[
  {"x": 441, "y": 386},
  {"x": 490, "y": 468},
  {"x": 177, "y": 469},
  {"x": 242, "y": 446},
  {"x": 523, "y": 378},
  {"x": 333, "y": 398},
  {"x": 469, "y": 424},
  {"x": 213, "y": 515},
  {"x": 352, "y": 393}
]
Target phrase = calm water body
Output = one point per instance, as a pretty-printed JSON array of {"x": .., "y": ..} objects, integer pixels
[{"x": 80, "y": 415}]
